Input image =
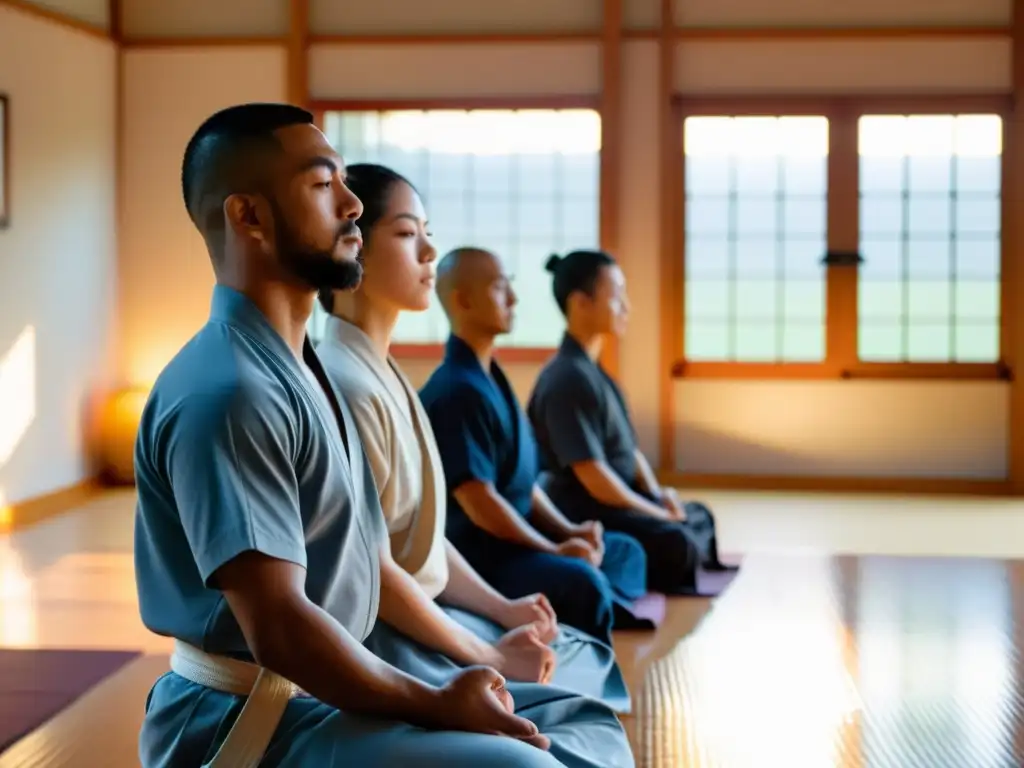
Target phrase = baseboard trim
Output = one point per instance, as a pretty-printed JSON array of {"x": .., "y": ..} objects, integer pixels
[
  {"x": 928, "y": 486},
  {"x": 35, "y": 510}
]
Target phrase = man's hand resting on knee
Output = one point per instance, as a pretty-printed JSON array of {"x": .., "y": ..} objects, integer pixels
[
  {"x": 476, "y": 700},
  {"x": 298, "y": 640},
  {"x": 524, "y": 656},
  {"x": 533, "y": 609},
  {"x": 581, "y": 549}
]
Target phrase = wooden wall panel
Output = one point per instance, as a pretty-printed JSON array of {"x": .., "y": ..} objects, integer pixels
[
  {"x": 398, "y": 17},
  {"x": 204, "y": 18},
  {"x": 827, "y": 13},
  {"x": 95, "y": 12},
  {"x": 844, "y": 66},
  {"x": 842, "y": 429},
  {"x": 472, "y": 70},
  {"x": 641, "y": 14}
]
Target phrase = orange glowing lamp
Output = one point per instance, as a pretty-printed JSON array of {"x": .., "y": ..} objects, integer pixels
[{"x": 119, "y": 425}]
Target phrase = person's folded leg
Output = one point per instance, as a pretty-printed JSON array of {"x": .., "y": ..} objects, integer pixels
[
  {"x": 579, "y": 593},
  {"x": 185, "y": 723},
  {"x": 625, "y": 565}
]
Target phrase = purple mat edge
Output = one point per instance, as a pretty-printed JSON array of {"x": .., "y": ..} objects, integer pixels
[
  {"x": 720, "y": 581},
  {"x": 39, "y": 705},
  {"x": 715, "y": 583}
]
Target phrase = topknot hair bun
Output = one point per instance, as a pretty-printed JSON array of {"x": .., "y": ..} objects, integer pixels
[{"x": 552, "y": 263}]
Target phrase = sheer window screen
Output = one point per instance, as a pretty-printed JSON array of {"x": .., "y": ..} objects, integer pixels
[
  {"x": 930, "y": 210},
  {"x": 523, "y": 183},
  {"x": 756, "y": 195}
]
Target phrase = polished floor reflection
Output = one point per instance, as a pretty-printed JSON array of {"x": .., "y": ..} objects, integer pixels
[
  {"x": 810, "y": 660},
  {"x": 858, "y": 662}
]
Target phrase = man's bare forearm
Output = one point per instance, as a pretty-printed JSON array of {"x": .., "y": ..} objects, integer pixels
[
  {"x": 304, "y": 644},
  {"x": 487, "y": 509},
  {"x": 549, "y": 518},
  {"x": 645, "y": 475},
  {"x": 467, "y": 590},
  {"x": 606, "y": 487},
  {"x": 406, "y": 607}
]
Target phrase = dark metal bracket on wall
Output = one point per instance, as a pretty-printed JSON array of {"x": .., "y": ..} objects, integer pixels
[{"x": 842, "y": 259}]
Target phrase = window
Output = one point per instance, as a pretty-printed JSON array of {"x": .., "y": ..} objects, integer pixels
[
  {"x": 523, "y": 183},
  {"x": 930, "y": 214},
  {"x": 756, "y": 192}
]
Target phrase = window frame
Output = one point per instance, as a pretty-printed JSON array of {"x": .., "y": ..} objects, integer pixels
[
  {"x": 843, "y": 234},
  {"x": 505, "y": 354}
]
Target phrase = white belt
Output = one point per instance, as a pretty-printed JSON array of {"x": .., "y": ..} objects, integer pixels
[{"x": 268, "y": 693}]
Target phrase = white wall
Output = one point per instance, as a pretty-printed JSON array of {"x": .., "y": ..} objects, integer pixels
[
  {"x": 166, "y": 277},
  {"x": 58, "y": 268}
]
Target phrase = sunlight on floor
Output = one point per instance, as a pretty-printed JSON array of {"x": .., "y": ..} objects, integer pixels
[
  {"x": 792, "y": 719},
  {"x": 17, "y": 599}
]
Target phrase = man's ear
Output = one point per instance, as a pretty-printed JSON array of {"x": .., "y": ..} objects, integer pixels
[
  {"x": 574, "y": 301},
  {"x": 246, "y": 216},
  {"x": 460, "y": 298}
]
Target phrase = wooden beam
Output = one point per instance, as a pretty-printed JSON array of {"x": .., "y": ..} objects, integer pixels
[
  {"x": 672, "y": 273},
  {"x": 25, "y": 513},
  {"x": 571, "y": 101},
  {"x": 57, "y": 17},
  {"x": 898, "y": 103},
  {"x": 204, "y": 41},
  {"x": 298, "y": 53},
  {"x": 611, "y": 147},
  {"x": 843, "y": 228},
  {"x": 689, "y": 34},
  {"x": 469, "y": 38},
  {"x": 1012, "y": 295},
  {"x": 116, "y": 26},
  {"x": 435, "y": 353},
  {"x": 929, "y": 486},
  {"x": 768, "y": 33},
  {"x": 828, "y": 371}
]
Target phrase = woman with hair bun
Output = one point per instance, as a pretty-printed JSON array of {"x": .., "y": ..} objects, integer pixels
[
  {"x": 436, "y": 613},
  {"x": 593, "y": 467}
]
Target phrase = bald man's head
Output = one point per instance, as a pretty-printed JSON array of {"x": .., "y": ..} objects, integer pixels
[{"x": 475, "y": 292}]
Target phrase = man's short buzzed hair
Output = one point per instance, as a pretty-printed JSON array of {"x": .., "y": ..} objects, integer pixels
[
  {"x": 447, "y": 271},
  {"x": 220, "y": 159}
]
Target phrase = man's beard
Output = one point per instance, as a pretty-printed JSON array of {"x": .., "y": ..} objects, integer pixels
[{"x": 319, "y": 269}]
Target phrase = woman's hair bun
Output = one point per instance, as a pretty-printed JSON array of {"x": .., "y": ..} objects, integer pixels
[{"x": 552, "y": 263}]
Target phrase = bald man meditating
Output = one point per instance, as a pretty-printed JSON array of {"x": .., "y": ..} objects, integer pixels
[{"x": 498, "y": 517}]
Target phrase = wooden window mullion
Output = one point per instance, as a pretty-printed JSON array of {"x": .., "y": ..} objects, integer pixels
[{"x": 843, "y": 235}]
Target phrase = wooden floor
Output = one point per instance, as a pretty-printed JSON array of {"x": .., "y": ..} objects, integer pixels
[{"x": 871, "y": 631}]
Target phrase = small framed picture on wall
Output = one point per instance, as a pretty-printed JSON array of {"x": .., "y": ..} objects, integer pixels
[{"x": 5, "y": 161}]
